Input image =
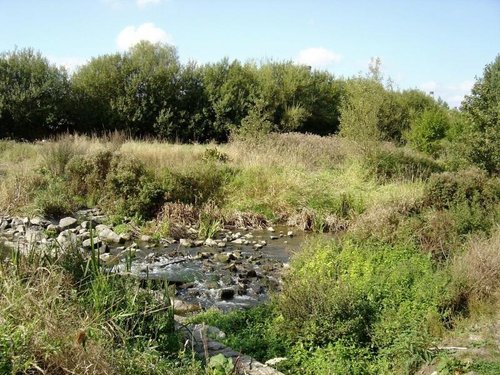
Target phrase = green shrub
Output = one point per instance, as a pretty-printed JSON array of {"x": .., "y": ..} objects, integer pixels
[
  {"x": 400, "y": 164},
  {"x": 469, "y": 195},
  {"x": 428, "y": 130},
  {"x": 201, "y": 183},
  {"x": 131, "y": 190},
  {"x": 214, "y": 155},
  {"x": 375, "y": 297},
  {"x": 54, "y": 200}
]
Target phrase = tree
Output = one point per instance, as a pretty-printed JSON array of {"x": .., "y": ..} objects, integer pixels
[
  {"x": 33, "y": 96},
  {"x": 482, "y": 107}
]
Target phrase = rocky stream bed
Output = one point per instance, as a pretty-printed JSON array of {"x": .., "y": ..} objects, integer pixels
[{"x": 236, "y": 269}]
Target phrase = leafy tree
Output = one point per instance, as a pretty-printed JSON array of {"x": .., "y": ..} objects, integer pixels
[
  {"x": 429, "y": 129},
  {"x": 359, "y": 113},
  {"x": 32, "y": 96},
  {"x": 482, "y": 107}
]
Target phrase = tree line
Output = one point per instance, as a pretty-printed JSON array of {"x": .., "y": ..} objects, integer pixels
[{"x": 146, "y": 91}]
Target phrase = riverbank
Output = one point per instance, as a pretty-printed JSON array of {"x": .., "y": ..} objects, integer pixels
[{"x": 413, "y": 256}]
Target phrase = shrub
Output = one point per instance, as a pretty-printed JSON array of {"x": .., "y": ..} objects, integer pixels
[
  {"x": 476, "y": 271},
  {"x": 370, "y": 295},
  {"x": 201, "y": 183},
  {"x": 131, "y": 190},
  {"x": 470, "y": 195},
  {"x": 54, "y": 200},
  {"x": 397, "y": 163},
  {"x": 428, "y": 130}
]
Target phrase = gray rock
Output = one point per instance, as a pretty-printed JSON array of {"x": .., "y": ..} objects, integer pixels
[
  {"x": 210, "y": 242},
  {"x": 289, "y": 233},
  {"x": 145, "y": 238},
  {"x": 238, "y": 241},
  {"x": 39, "y": 221},
  {"x": 198, "y": 243},
  {"x": 96, "y": 241},
  {"x": 67, "y": 240},
  {"x": 221, "y": 244},
  {"x": 185, "y": 242},
  {"x": 68, "y": 222},
  {"x": 273, "y": 237},
  {"x": 270, "y": 229},
  {"x": 258, "y": 246},
  {"x": 108, "y": 236},
  {"x": 53, "y": 228}
]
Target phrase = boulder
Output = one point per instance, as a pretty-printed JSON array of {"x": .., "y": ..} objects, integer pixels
[
  {"x": 109, "y": 236},
  {"x": 68, "y": 222}
]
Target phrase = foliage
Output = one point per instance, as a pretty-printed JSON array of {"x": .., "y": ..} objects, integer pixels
[
  {"x": 33, "y": 96},
  {"x": 428, "y": 129},
  {"x": 366, "y": 295},
  {"x": 483, "y": 110},
  {"x": 399, "y": 163}
]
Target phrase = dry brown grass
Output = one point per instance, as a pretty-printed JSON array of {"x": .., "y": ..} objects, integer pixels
[
  {"x": 50, "y": 334},
  {"x": 477, "y": 269}
]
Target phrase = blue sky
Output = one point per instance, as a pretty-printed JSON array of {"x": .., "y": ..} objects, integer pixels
[{"x": 434, "y": 45}]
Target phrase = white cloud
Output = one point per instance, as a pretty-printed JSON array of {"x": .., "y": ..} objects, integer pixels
[
  {"x": 318, "y": 57},
  {"x": 132, "y": 35},
  {"x": 70, "y": 63},
  {"x": 453, "y": 94},
  {"x": 145, "y": 3}
]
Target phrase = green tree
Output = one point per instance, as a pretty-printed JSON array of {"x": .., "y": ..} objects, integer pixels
[
  {"x": 429, "y": 129},
  {"x": 482, "y": 107},
  {"x": 33, "y": 96}
]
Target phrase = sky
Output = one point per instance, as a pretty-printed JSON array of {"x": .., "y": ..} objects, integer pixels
[{"x": 433, "y": 45}]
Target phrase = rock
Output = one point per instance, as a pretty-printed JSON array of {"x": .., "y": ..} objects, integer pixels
[
  {"x": 185, "y": 242},
  {"x": 87, "y": 244},
  {"x": 53, "y": 228},
  {"x": 238, "y": 241},
  {"x": 258, "y": 246},
  {"x": 198, "y": 243},
  {"x": 248, "y": 236},
  {"x": 270, "y": 229},
  {"x": 125, "y": 236},
  {"x": 99, "y": 228},
  {"x": 221, "y": 244},
  {"x": 3, "y": 224},
  {"x": 275, "y": 361},
  {"x": 273, "y": 237},
  {"x": 210, "y": 242},
  {"x": 181, "y": 307},
  {"x": 221, "y": 258},
  {"x": 67, "y": 223},
  {"x": 251, "y": 273},
  {"x": 107, "y": 235},
  {"x": 226, "y": 294},
  {"x": 289, "y": 233},
  {"x": 145, "y": 238},
  {"x": 39, "y": 221},
  {"x": 20, "y": 229},
  {"x": 67, "y": 239}
]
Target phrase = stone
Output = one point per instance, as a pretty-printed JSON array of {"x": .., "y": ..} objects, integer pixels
[
  {"x": 125, "y": 236},
  {"x": 238, "y": 241},
  {"x": 68, "y": 222},
  {"x": 145, "y": 238},
  {"x": 221, "y": 244},
  {"x": 67, "y": 239},
  {"x": 275, "y": 361},
  {"x": 87, "y": 244},
  {"x": 109, "y": 236},
  {"x": 258, "y": 246},
  {"x": 99, "y": 228},
  {"x": 270, "y": 229},
  {"x": 289, "y": 233},
  {"x": 198, "y": 243},
  {"x": 185, "y": 242},
  {"x": 53, "y": 228},
  {"x": 182, "y": 307},
  {"x": 226, "y": 294},
  {"x": 273, "y": 237},
  {"x": 210, "y": 242},
  {"x": 39, "y": 221}
]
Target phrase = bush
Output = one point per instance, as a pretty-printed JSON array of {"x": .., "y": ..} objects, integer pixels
[
  {"x": 398, "y": 163},
  {"x": 54, "y": 200},
  {"x": 131, "y": 190},
  {"x": 428, "y": 130},
  {"x": 201, "y": 183},
  {"x": 470, "y": 195},
  {"x": 476, "y": 271},
  {"x": 370, "y": 296}
]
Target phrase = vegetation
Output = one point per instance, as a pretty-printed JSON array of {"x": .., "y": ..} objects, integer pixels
[{"x": 410, "y": 188}]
